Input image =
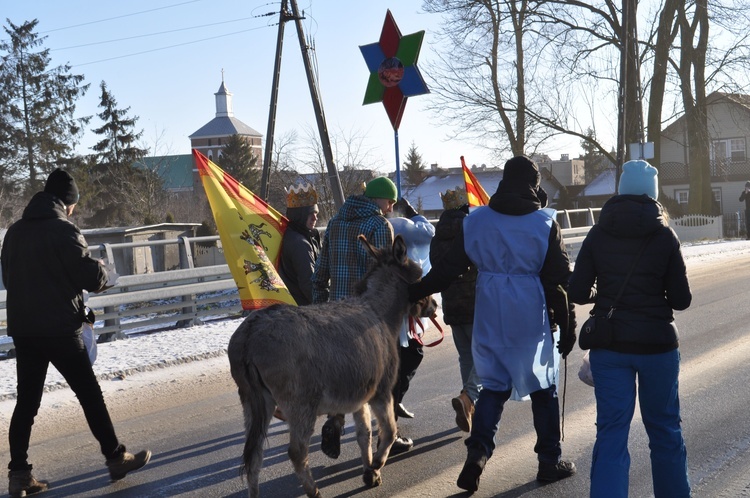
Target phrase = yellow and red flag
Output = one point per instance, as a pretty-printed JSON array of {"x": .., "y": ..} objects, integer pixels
[
  {"x": 474, "y": 191},
  {"x": 250, "y": 232}
]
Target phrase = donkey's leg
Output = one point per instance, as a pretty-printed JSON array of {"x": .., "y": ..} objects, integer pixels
[
  {"x": 363, "y": 423},
  {"x": 382, "y": 408},
  {"x": 301, "y": 422}
]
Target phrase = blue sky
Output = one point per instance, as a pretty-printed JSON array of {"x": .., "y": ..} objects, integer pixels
[{"x": 164, "y": 59}]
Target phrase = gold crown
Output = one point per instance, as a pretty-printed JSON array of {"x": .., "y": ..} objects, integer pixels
[
  {"x": 301, "y": 195},
  {"x": 453, "y": 199}
]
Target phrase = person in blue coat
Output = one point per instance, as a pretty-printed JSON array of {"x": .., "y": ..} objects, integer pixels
[
  {"x": 644, "y": 354},
  {"x": 523, "y": 271}
]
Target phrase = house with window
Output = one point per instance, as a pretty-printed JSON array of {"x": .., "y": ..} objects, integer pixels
[{"x": 728, "y": 118}]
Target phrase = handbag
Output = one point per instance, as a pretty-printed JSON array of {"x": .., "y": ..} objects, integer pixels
[{"x": 597, "y": 331}]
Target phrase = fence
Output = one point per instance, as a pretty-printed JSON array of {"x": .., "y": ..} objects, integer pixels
[
  {"x": 193, "y": 293},
  {"x": 698, "y": 227}
]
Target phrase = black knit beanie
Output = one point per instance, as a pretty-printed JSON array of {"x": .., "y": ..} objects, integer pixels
[{"x": 63, "y": 186}]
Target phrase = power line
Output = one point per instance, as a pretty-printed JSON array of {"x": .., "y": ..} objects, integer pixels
[
  {"x": 167, "y": 47},
  {"x": 160, "y": 33},
  {"x": 119, "y": 17}
]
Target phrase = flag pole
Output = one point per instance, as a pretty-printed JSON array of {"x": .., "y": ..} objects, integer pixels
[{"x": 398, "y": 165}]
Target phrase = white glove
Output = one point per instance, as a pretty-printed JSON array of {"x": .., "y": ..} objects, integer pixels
[{"x": 112, "y": 274}]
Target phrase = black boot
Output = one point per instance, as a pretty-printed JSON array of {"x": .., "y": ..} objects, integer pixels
[
  {"x": 468, "y": 479},
  {"x": 330, "y": 442},
  {"x": 551, "y": 472}
]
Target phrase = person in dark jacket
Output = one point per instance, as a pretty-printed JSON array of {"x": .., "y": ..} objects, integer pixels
[
  {"x": 301, "y": 243},
  {"x": 644, "y": 353},
  {"x": 458, "y": 304},
  {"x": 46, "y": 266},
  {"x": 523, "y": 271},
  {"x": 745, "y": 196}
]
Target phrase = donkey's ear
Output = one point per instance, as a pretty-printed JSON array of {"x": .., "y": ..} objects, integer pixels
[
  {"x": 399, "y": 250},
  {"x": 372, "y": 250}
]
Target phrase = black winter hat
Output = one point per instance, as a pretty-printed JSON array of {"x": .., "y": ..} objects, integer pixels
[
  {"x": 63, "y": 186},
  {"x": 521, "y": 170}
]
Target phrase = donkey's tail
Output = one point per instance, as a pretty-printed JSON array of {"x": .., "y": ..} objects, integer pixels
[{"x": 257, "y": 405}]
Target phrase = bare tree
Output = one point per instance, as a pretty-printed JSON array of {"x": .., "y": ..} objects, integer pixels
[
  {"x": 482, "y": 77},
  {"x": 354, "y": 157}
]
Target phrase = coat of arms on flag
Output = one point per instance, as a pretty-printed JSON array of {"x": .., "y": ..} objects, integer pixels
[{"x": 251, "y": 232}]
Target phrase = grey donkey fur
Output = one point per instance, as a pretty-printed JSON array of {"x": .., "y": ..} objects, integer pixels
[{"x": 337, "y": 357}]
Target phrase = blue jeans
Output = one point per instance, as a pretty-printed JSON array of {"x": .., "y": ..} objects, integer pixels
[
  {"x": 546, "y": 412},
  {"x": 69, "y": 357},
  {"x": 615, "y": 385},
  {"x": 469, "y": 378}
]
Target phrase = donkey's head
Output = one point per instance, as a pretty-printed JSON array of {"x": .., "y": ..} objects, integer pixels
[
  {"x": 406, "y": 269},
  {"x": 424, "y": 308}
]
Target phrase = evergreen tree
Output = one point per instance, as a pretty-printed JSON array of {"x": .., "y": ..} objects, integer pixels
[
  {"x": 118, "y": 146},
  {"x": 130, "y": 192},
  {"x": 594, "y": 161},
  {"x": 237, "y": 159},
  {"x": 37, "y": 124},
  {"x": 414, "y": 167}
]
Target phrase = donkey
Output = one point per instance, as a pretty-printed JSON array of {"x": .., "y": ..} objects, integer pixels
[{"x": 336, "y": 357}]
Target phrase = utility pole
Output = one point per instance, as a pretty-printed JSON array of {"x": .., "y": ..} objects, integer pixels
[
  {"x": 333, "y": 174},
  {"x": 266, "y": 177}
]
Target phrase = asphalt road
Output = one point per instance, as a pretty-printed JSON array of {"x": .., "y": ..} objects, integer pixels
[{"x": 194, "y": 426}]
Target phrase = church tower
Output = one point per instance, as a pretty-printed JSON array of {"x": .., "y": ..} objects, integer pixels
[{"x": 211, "y": 137}]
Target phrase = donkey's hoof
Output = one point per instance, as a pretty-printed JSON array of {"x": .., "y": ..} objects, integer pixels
[{"x": 372, "y": 478}]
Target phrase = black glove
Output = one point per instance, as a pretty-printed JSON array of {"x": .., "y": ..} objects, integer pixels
[
  {"x": 568, "y": 338},
  {"x": 402, "y": 206},
  {"x": 88, "y": 315}
]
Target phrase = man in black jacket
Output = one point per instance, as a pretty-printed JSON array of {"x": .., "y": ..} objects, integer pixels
[
  {"x": 745, "y": 196},
  {"x": 46, "y": 266}
]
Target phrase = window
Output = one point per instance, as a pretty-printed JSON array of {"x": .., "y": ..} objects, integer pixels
[
  {"x": 731, "y": 149},
  {"x": 682, "y": 196},
  {"x": 717, "y": 199},
  {"x": 218, "y": 141},
  {"x": 209, "y": 142}
]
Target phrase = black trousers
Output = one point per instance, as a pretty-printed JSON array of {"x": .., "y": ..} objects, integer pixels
[
  {"x": 68, "y": 355},
  {"x": 409, "y": 359}
]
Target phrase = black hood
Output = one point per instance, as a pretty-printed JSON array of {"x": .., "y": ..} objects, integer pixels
[
  {"x": 44, "y": 206},
  {"x": 631, "y": 216}
]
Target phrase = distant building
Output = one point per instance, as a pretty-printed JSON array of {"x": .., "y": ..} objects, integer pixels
[
  {"x": 211, "y": 137},
  {"x": 728, "y": 117},
  {"x": 569, "y": 172}
]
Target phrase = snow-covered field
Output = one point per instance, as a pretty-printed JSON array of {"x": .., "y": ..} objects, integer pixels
[{"x": 140, "y": 355}]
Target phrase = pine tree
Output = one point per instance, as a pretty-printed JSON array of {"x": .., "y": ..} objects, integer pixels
[
  {"x": 118, "y": 146},
  {"x": 237, "y": 159},
  {"x": 130, "y": 192},
  {"x": 414, "y": 167},
  {"x": 594, "y": 161},
  {"x": 37, "y": 125}
]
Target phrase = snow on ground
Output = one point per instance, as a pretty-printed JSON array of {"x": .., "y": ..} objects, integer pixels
[{"x": 154, "y": 352}]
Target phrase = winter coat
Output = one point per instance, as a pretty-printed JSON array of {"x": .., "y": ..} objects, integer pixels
[
  {"x": 458, "y": 298},
  {"x": 643, "y": 321},
  {"x": 343, "y": 260},
  {"x": 522, "y": 269},
  {"x": 46, "y": 265},
  {"x": 299, "y": 251}
]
